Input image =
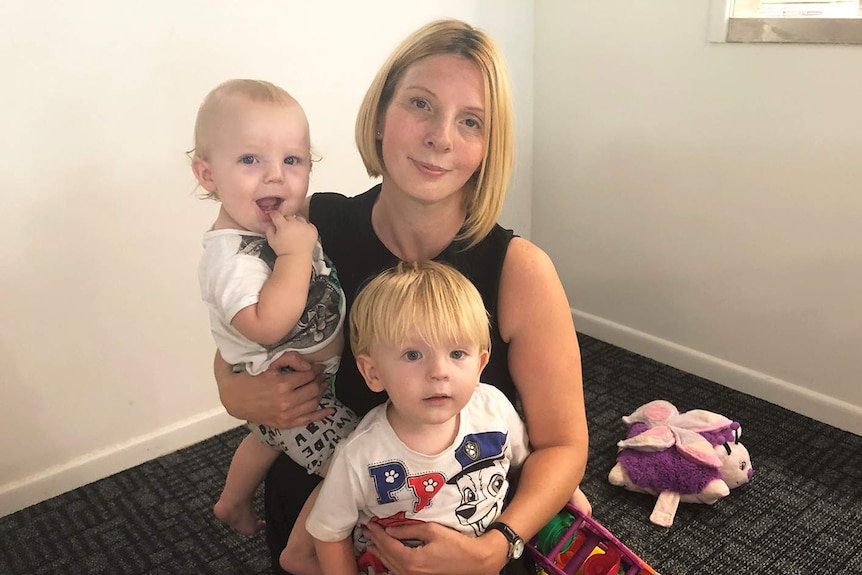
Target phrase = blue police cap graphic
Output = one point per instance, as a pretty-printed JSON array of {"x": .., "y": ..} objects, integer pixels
[{"x": 478, "y": 450}]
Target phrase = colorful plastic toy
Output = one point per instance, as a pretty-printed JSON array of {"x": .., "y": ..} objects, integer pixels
[{"x": 574, "y": 544}]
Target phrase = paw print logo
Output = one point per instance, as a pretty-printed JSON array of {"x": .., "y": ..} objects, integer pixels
[
  {"x": 391, "y": 476},
  {"x": 471, "y": 449},
  {"x": 430, "y": 485}
]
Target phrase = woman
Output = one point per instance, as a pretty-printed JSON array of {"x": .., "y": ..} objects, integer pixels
[{"x": 436, "y": 124}]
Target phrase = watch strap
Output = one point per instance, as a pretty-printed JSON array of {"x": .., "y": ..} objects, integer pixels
[{"x": 516, "y": 544}]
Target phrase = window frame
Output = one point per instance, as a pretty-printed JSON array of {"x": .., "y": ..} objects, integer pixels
[{"x": 725, "y": 28}]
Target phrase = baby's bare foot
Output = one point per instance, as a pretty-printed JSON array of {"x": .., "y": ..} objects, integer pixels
[{"x": 241, "y": 517}]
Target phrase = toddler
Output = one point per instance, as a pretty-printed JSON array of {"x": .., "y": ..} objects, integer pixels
[{"x": 441, "y": 447}]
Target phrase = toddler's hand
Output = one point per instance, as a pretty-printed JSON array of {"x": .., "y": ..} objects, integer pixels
[{"x": 290, "y": 234}]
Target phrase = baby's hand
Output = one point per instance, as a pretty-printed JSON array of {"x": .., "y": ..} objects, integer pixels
[{"x": 291, "y": 234}]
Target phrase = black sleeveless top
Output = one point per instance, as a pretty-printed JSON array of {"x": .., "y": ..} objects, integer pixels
[
  {"x": 349, "y": 241},
  {"x": 348, "y": 238}
]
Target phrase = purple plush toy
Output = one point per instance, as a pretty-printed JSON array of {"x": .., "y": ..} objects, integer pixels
[{"x": 692, "y": 457}]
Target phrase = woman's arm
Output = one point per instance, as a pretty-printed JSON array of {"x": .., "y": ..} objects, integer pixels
[
  {"x": 545, "y": 362},
  {"x": 285, "y": 396}
]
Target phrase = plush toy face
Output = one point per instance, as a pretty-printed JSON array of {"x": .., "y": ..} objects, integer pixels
[{"x": 735, "y": 466}]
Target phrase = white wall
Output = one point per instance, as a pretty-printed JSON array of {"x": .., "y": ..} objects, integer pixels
[
  {"x": 702, "y": 201},
  {"x": 105, "y": 353}
]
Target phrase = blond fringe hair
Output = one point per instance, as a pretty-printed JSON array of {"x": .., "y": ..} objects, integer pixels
[{"x": 430, "y": 298}]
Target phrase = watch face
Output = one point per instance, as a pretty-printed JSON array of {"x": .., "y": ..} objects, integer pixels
[{"x": 517, "y": 548}]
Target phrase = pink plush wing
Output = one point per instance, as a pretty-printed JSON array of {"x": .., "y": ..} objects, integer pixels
[
  {"x": 654, "y": 413},
  {"x": 689, "y": 443},
  {"x": 699, "y": 420},
  {"x": 653, "y": 439},
  {"x": 693, "y": 446}
]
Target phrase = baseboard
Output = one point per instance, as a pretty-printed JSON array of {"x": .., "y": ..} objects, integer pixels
[
  {"x": 791, "y": 396},
  {"x": 100, "y": 464}
]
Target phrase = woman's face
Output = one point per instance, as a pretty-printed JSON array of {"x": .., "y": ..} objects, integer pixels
[{"x": 433, "y": 129}]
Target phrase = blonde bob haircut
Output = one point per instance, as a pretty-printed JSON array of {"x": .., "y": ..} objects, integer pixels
[
  {"x": 430, "y": 298},
  {"x": 490, "y": 182}
]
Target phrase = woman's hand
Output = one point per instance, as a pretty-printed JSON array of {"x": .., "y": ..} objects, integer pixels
[
  {"x": 287, "y": 395},
  {"x": 445, "y": 551}
]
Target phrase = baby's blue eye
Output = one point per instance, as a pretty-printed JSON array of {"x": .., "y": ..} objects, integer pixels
[
  {"x": 413, "y": 355},
  {"x": 291, "y": 160},
  {"x": 247, "y": 159},
  {"x": 457, "y": 354}
]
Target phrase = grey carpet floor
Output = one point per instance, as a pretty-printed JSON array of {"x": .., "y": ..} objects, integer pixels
[{"x": 800, "y": 515}]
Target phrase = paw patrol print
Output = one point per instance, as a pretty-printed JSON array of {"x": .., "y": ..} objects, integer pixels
[
  {"x": 430, "y": 485},
  {"x": 391, "y": 476}
]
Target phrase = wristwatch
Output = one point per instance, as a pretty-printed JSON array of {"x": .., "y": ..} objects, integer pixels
[{"x": 516, "y": 544}]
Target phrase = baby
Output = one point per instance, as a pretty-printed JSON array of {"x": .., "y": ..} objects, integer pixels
[{"x": 267, "y": 284}]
